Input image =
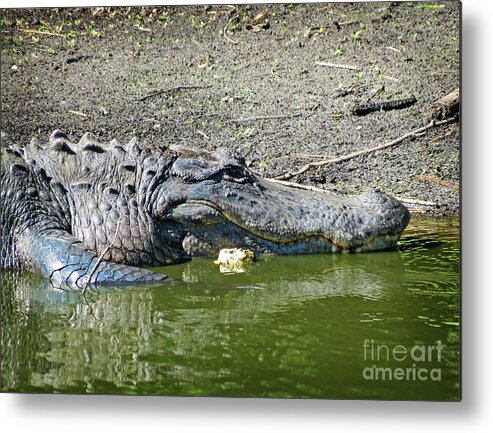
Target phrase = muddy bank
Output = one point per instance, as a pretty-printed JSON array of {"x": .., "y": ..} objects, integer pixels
[{"x": 248, "y": 78}]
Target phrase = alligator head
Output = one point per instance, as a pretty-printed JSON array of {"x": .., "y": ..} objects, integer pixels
[{"x": 213, "y": 200}]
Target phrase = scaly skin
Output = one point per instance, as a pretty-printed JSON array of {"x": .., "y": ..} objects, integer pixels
[{"x": 85, "y": 214}]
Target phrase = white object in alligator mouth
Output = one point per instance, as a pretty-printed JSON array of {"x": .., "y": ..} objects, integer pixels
[{"x": 234, "y": 260}]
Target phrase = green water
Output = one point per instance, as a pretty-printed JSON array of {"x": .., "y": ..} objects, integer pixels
[{"x": 289, "y": 327}]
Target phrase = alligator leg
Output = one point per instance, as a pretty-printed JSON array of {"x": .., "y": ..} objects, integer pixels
[{"x": 65, "y": 261}]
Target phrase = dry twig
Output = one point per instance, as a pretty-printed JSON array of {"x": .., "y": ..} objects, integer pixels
[
  {"x": 203, "y": 134},
  {"x": 258, "y": 118},
  {"x": 100, "y": 258},
  {"x": 78, "y": 113},
  {"x": 225, "y": 31},
  {"x": 334, "y": 65},
  {"x": 38, "y": 32}
]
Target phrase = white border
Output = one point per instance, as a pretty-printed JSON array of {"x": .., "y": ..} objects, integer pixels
[{"x": 52, "y": 413}]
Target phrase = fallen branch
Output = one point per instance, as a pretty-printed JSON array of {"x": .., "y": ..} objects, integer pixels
[
  {"x": 397, "y": 104},
  {"x": 170, "y": 90},
  {"x": 349, "y": 156},
  {"x": 334, "y": 65}
]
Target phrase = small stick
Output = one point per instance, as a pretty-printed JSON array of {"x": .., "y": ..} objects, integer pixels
[
  {"x": 349, "y": 156},
  {"x": 203, "y": 134},
  {"x": 91, "y": 310},
  {"x": 78, "y": 113},
  {"x": 225, "y": 32},
  {"x": 415, "y": 201},
  {"x": 334, "y": 65},
  {"x": 307, "y": 155},
  {"x": 388, "y": 77},
  {"x": 348, "y": 23},
  {"x": 171, "y": 89},
  {"x": 100, "y": 258},
  {"x": 38, "y": 32},
  {"x": 393, "y": 49},
  {"x": 274, "y": 117}
]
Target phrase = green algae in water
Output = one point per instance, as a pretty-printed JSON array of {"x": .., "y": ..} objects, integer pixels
[{"x": 293, "y": 326}]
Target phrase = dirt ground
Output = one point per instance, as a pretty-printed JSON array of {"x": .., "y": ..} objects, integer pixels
[{"x": 247, "y": 78}]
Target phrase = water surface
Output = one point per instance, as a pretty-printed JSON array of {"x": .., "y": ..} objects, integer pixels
[{"x": 323, "y": 326}]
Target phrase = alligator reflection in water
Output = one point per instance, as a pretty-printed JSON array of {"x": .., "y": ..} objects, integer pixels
[{"x": 291, "y": 326}]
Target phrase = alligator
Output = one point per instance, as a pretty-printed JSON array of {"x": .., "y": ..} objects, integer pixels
[{"x": 84, "y": 214}]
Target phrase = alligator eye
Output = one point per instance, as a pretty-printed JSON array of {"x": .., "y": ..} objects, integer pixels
[{"x": 235, "y": 174}]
